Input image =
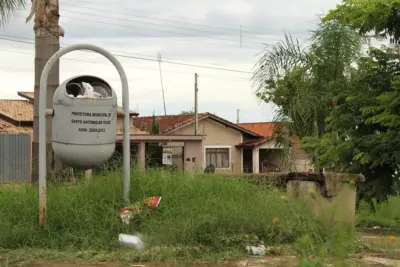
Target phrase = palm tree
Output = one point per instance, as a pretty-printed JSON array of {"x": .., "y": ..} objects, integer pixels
[
  {"x": 8, "y": 8},
  {"x": 302, "y": 80},
  {"x": 47, "y": 33},
  {"x": 47, "y": 43}
]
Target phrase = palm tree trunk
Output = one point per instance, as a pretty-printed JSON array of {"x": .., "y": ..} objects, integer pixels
[
  {"x": 316, "y": 133},
  {"x": 47, "y": 43}
]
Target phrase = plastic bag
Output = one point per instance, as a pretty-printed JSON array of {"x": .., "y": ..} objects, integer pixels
[{"x": 150, "y": 203}]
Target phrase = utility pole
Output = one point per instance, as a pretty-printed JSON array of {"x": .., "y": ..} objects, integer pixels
[
  {"x": 196, "y": 114},
  {"x": 162, "y": 84},
  {"x": 237, "y": 116},
  {"x": 241, "y": 36}
]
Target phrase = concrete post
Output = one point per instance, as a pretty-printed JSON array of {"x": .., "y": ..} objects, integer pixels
[
  {"x": 142, "y": 155},
  {"x": 256, "y": 160},
  {"x": 88, "y": 173}
]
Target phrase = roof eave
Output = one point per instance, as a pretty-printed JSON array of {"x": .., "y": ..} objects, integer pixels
[
  {"x": 24, "y": 95},
  {"x": 234, "y": 126}
]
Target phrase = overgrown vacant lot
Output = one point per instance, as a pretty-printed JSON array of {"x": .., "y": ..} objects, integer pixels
[
  {"x": 387, "y": 215},
  {"x": 199, "y": 218}
]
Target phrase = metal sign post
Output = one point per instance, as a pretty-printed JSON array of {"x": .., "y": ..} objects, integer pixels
[{"x": 43, "y": 112}]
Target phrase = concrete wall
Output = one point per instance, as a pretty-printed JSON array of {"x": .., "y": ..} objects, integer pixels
[
  {"x": 301, "y": 160},
  {"x": 193, "y": 154},
  {"x": 339, "y": 208},
  {"x": 217, "y": 134}
]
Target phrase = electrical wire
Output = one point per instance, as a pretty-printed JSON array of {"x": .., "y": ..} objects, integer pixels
[
  {"x": 155, "y": 30},
  {"x": 175, "y": 59},
  {"x": 128, "y": 67},
  {"x": 162, "y": 25},
  {"x": 181, "y": 17},
  {"x": 155, "y": 60}
]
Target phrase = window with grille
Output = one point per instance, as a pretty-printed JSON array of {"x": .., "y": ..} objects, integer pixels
[{"x": 219, "y": 157}]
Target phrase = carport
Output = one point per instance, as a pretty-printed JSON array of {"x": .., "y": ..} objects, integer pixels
[{"x": 191, "y": 144}]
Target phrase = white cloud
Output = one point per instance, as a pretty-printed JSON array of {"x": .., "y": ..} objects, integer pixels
[{"x": 217, "y": 45}]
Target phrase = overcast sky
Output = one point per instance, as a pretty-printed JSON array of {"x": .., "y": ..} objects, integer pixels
[{"x": 202, "y": 33}]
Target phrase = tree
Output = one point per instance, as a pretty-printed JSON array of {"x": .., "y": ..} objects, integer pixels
[
  {"x": 380, "y": 16},
  {"x": 363, "y": 130},
  {"x": 188, "y": 112},
  {"x": 302, "y": 81},
  {"x": 47, "y": 43},
  {"x": 155, "y": 126},
  {"x": 8, "y": 8},
  {"x": 361, "y": 135}
]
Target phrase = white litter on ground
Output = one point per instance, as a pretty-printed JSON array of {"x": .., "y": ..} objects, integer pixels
[
  {"x": 257, "y": 251},
  {"x": 132, "y": 241}
]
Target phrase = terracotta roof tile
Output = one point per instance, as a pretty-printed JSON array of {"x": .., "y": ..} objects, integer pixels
[
  {"x": 6, "y": 127},
  {"x": 171, "y": 122},
  {"x": 252, "y": 143},
  {"x": 17, "y": 110},
  {"x": 167, "y": 123},
  {"x": 265, "y": 129},
  {"x": 133, "y": 130},
  {"x": 31, "y": 96}
]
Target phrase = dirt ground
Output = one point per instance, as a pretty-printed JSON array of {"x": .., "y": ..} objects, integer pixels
[
  {"x": 267, "y": 261},
  {"x": 387, "y": 255}
]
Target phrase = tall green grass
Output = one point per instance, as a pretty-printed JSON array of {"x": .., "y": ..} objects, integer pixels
[
  {"x": 387, "y": 215},
  {"x": 211, "y": 213}
]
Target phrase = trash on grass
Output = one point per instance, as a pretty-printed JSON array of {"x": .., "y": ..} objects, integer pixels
[
  {"x": 132, "y": 241},
  {"x": 150, "y": 203},
  {"x": 260, "y": 250}
]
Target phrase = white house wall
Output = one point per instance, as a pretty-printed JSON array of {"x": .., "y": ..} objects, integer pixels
[{"x": 217, "y": 134}]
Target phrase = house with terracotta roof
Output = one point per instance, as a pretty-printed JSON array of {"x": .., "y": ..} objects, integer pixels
[
  {"x": 229, "y": 147},
  {"x": 222, "y": 139},
  {"x": 263, "y": 155}
]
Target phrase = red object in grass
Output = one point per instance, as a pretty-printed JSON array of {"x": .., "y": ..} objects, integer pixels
[
  {"x": 127, "y": 213},
  {"x": 151, "y": 202}
]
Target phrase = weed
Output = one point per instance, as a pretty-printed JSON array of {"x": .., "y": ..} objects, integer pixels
[
  {"x": 199, "y": 215},
  {"x": 387, "y": 215}
]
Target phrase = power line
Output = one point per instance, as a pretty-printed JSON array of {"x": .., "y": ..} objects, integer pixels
[
  {"x": 175, "y": 59},
  {"x": 201, "y": 25},
  {"x": 172, "y": 38},
  {"x": 141, "y": 68},
  {"x": 162, "y": 25},
  {"x": 166, "y": 61},
  {"x": 155, "y": 30}
]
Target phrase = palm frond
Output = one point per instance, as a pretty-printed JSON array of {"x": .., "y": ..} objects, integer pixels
[
  {"x": 336, "y": 46},
  {"x": 277, "y": 60},
  {"x": 8, "y": 8}
]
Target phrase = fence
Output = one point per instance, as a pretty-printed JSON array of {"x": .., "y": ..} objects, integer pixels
[{"x": 15, "y": 154}]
